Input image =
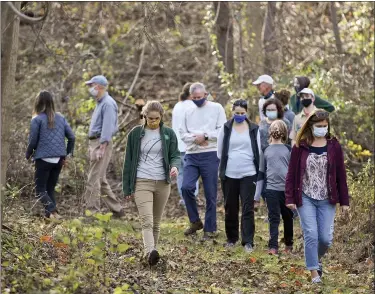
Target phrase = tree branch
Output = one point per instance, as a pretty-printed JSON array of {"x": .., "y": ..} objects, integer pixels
[{"x": 26, "y": 18}]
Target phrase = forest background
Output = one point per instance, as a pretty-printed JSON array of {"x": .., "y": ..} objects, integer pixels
[{"x": 149, "y": 50}]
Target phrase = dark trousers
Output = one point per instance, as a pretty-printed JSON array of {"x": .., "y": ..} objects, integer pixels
[
  {"x": 206, "y": 165},
  {"x": 233, "y": 189},
  {"x": 276, "y": 206},
  {"x": 46, "y": 177}
]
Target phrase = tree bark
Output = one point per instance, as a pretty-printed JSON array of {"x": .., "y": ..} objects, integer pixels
[
  {"x": 269, "y": 36},
  {"x": 254, "y": 28},
  {"x": 224, "y": 31},
  {"x": 10, "y": 32},
  {"x": 335, "y": 27}
]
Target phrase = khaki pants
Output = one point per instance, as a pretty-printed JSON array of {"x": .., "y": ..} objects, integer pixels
[
  {"x": 97, "y": 187},
  {"x": 151, "y": 197}
]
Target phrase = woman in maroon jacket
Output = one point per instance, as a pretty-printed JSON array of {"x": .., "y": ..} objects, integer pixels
[{"x": 315, "y": 183}]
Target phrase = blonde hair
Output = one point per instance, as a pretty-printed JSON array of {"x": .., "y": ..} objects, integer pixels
[
  {"x": 279, "y": 129},
  {"x": 153, "y": 105},
  {"x": 306, "y": 133}
]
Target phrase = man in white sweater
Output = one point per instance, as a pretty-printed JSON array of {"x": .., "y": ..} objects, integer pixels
[
  {"x": 199, "y": 131},
  {"x": 178, "y": 116}
]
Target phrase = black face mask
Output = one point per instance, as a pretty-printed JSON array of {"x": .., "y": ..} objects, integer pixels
[{"x": 306, "y": 102}]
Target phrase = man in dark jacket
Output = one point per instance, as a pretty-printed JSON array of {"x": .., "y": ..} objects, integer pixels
[{"x": 295, "y": 105}]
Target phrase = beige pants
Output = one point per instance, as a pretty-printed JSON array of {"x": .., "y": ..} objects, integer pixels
[
  {"x": 97, "y": 187},
  {"x": 151, "y": 197}
]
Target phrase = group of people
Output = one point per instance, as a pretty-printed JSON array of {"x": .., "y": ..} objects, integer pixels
[{"x": 290, "y": 159}]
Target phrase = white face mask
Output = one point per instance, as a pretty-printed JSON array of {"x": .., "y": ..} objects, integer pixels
[
  {"x": 93, "y": 91},
  {"x": 320, "y": 132}
]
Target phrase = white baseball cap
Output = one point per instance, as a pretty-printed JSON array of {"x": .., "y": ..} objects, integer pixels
[
  {"x": 306, "y": 91},
  {"x": 263, "y": 79}
]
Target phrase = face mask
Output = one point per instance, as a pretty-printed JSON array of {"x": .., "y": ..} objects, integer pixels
[
  {"x": 93, "y": 91},
  {"x": 239, "y": 118},
  {"x": 154, "y": 124},
  {"x": 320, "y": 132},
  {"x": 199, "y": 102},
  {"x": 271, "y": 114},
  {"x": 306, "y": 102}
]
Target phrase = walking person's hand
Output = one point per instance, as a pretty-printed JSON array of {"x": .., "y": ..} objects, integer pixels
[
  {"x": 174, "y": 172},
  {"x": 291, "y": 206},
  {"x": 100, "y": 151},
  {"x": 199, "y": 139},
  {"x": 129, "y": 197},
  {"x": 344, "y": 209}
]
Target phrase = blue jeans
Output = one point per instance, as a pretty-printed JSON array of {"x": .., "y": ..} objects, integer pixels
[
  {"x": 206, "y": 165},
  {"x": 181, "y": 177},
  {"x": 317, "y": 220}
]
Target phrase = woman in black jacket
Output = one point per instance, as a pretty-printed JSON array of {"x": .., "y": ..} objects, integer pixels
[{"x": 239, "y": 149}]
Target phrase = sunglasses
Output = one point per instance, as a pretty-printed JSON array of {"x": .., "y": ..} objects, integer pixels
[
  {"x": 240, "y": 103},
  {"x": 322, "y": 114}
]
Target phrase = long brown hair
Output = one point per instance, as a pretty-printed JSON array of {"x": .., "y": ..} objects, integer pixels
[
  {"x": 306, "y": 131},
  {"x": 185, "y": 92},
  {"x": 44, "y": 104}
]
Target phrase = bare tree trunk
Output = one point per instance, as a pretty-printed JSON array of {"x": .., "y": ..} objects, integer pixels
[
  {"x": 335, "y": 26},
  {"x": 224, "y": 30},
  {"x": 10, "y": 32},
  {"x": 240, "y": 58},
  {"x": 254, "y": 29},
  {"x": 269, "y": 43}
]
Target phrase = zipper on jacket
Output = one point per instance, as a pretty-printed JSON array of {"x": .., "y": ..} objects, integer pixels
[{"x": 137, "y": 160}]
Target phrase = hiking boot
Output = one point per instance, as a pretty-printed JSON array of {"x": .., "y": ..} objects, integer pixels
[
  {"x": 248, "y": 248},
  {"x": 288, "y": 249},
  {"x": 120, "y": 214},
  {"x": 194, "y": 227},
  {"x": 320, "y": 270},
  {"x": 153, "y": 257},
  {"x": 273, "y": 251}
]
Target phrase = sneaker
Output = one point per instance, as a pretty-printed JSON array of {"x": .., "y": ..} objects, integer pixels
[
  {"x": 194, "y": 227},
  {"x": 316, "y": 280},
  {"x": 153, "y": 257},
  {"x": 320, "y": 270},
  {"x": 55, "y": 215},
  {"x": 120, "y": 214},
  {"x": 288, "y": 249},
  {"x": 208, "y": 236},
  {"x": 229, "y": 245},
  {"x": 273, "y": 251},
  {"x": 248, "y": 248}
]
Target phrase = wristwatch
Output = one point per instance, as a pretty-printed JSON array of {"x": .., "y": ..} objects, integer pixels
[{"x": 205, "y": 137}]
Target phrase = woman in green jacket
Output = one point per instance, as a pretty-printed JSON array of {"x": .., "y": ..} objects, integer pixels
[
  {"x": 295, "y": 101},
  {"x": 152, "y": 158}
]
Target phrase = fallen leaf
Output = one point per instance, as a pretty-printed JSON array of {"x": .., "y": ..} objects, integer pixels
[
  {"x": 46, "y": 239},
  {"x": 252, "y": 259}
]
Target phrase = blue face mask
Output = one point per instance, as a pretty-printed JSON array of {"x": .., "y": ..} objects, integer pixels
[
  {"x": 272, "y": 115},
  {"x": 239, "y": 118},
  {"x": 200, "y": 102}
]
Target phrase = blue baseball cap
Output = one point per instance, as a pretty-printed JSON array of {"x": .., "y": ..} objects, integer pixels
[{"x": 100, "y": 80}]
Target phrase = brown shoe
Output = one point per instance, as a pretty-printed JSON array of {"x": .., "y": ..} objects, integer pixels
[
  {"x": 194, "y": 227},
  {"x": 120, "y": 214}
]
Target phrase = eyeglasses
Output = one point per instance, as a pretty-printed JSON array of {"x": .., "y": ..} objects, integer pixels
[
  {"x": 241, "y": 103},
  {"x": 322, "y": 114}
]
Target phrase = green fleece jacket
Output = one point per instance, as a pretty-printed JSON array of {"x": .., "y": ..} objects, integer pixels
[
  {"x": 319, "y": 103},
  {"x": 171, "y": 155}
]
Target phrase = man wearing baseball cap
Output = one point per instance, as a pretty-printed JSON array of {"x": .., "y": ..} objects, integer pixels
[
  {"x": 307, "y": 100},
  {"x": 103, "y": 127},
  {"x": 264, "y": 84}
]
